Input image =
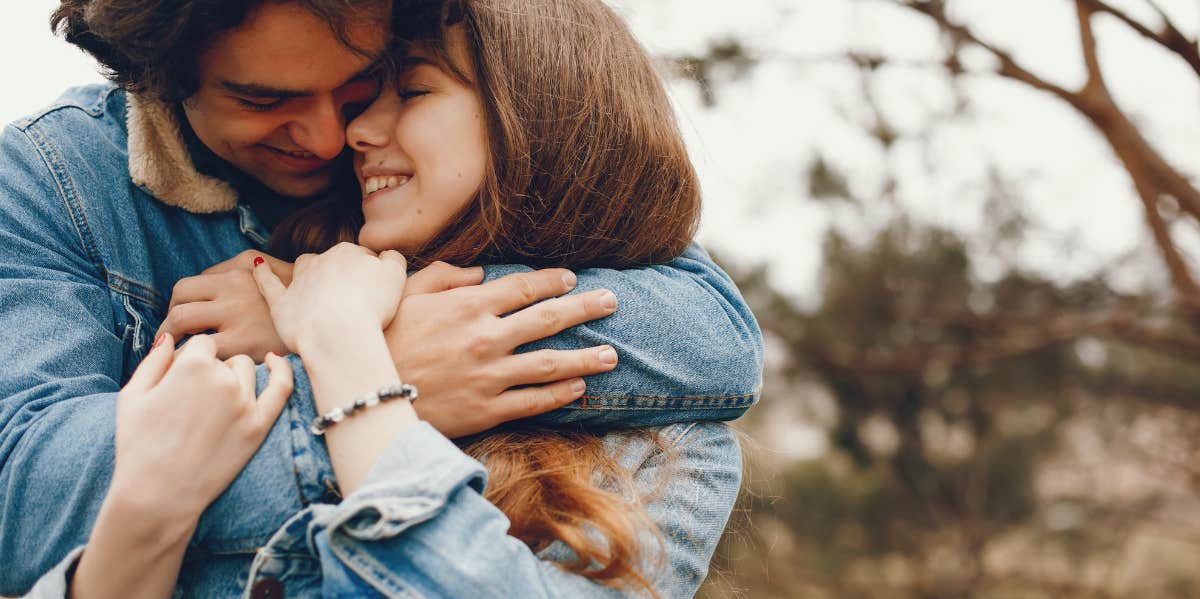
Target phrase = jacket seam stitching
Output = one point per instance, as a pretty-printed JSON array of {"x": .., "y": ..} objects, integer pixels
[{"x": 66, "y": 193}]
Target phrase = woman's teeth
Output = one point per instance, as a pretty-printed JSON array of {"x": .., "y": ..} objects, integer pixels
[{"x": 374, "y": 184}]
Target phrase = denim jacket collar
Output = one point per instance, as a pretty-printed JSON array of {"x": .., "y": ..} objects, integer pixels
[{"x": 160, "y": 162}]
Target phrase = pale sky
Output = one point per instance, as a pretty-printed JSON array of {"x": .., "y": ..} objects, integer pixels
[{"x": 753, "y": 148}]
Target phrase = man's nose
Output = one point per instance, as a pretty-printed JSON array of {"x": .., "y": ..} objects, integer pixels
[{"x": 321, "y": 129}]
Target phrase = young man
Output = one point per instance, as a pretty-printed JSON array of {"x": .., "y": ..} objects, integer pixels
[{"x": 227, "y": 116}]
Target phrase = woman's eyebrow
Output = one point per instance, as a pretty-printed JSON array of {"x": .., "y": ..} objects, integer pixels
[{"x": 415, "y": 61}]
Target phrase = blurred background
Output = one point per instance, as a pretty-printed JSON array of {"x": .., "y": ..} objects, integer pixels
[{"x": 969, "y": 230}]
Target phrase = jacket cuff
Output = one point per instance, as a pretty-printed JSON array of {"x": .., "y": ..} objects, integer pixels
[{"x": 409, "y": 484}]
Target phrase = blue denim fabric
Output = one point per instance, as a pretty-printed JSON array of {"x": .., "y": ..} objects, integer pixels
[
  {"x": 88, "y": 260},
  {"x": 419, "y": 526}
]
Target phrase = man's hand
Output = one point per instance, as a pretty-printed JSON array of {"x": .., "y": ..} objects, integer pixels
[
  {"x": 224, "y": 298},
  {"x": 457, "y": 345}
]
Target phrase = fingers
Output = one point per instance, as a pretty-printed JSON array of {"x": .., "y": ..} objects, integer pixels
[
  {"x": 513, "y": 292},
  {"x": 154, "y": 365},
  {"x": 199, "y": 346},
  {"x": 200, "y": 288},
  {"x": 440, "y": 276},
  {"x": 269, "y": 285},
  {"x": 398, "y": 266},
  {"x": 192, "y": 317},
  {"x": 394, "y": 257},
  {"x": 547, "y": 365},
  {"x": 243, "y": 368},
  {"x": 278, "y": 389},
  {"x": 531, "y": 401},
  {"x": 558, "y": 314},
  {"x": 246, "y": 260}
]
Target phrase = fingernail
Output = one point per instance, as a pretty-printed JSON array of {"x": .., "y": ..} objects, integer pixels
[
  {"x": 569, "y": 279},
  {"x": 158, "y": 339},
  {"x": 608, "y": 301},
  {"x": 608, "y": 356},
  {"x": 577, "y": 386},
  {"x": 258, "y": 260},
  {"x": 272, "y": 354}
]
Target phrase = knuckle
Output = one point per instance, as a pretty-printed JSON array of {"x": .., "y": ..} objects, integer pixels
[
  {"x": 241, "y": 278},
  {"x": 547, "y": 365},
  {"x": 549, "y": 317},
  {"x": 471, "y": 306},
  {"x": 181, "y": 285},
  {"x": 526, "y": 290},
  {"x": 481, "y": 345}
]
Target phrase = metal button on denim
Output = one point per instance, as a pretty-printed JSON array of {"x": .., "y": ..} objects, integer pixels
[{"x": 267, "y": 588}]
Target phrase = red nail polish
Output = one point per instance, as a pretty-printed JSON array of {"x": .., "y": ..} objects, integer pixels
[
  {"x": 272, "y": 354},
  {"x": 158, "y": 340},
  {"x": 258, "y": 260}
]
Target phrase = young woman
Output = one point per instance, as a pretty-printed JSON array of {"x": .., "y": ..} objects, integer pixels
[{"x": 516, "y": 130}]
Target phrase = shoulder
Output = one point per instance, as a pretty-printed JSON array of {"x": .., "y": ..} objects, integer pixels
[
  {"x": 81, "y": 133},
  {"x": 78, "y": 103}
]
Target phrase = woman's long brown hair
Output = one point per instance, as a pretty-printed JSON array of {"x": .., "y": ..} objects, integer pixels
[{"x": 587, "y": 169}]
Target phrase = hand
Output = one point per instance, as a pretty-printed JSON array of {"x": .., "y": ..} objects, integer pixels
[
  {"x": 457, "y": 348},
  {"x": 345, "y": 290},
  {"x": 187, "y": 423},
  {"x": 224, "y": 298}
]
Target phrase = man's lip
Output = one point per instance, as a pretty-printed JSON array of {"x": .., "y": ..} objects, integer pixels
[{"x": 296, "y": 162}]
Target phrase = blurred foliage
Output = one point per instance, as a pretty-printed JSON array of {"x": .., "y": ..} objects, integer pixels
[
  {"x": 952, "y": 397},
  {"x": 928, "y": 431}
]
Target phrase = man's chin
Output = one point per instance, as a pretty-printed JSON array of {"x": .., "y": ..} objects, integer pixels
[{"x": 300, "y": 188}]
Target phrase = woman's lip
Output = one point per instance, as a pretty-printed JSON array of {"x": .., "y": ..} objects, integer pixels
[{"x": 379, "y": 192}]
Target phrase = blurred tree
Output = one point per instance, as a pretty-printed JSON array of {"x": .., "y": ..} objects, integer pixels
[
  {"x": 1007, "y": 435},
  {"x": 1168, "y": 195}
]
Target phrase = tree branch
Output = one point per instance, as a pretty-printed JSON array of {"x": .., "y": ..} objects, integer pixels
[
  {"x": 1087, "y": 39},
  {"x": 1170, "y": 37}
]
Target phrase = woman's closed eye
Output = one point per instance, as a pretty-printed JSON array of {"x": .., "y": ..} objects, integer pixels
[{"x": 410, "y": 93}]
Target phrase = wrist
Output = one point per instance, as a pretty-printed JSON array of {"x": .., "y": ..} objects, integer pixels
[
  {"x": 342, "y": 369},
  {"x": 153, "y": 523}
]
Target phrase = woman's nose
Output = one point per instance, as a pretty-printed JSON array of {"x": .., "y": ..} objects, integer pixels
[{"x": 371, "y": 129}]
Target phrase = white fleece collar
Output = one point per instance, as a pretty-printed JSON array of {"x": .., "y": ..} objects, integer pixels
[{"x": 160, "y": 162}]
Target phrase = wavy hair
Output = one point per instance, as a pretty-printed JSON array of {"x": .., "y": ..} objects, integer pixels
[{"x": 587, "y": 168}]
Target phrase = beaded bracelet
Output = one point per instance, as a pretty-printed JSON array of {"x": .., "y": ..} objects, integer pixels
[{"x": 322, "y": 423}]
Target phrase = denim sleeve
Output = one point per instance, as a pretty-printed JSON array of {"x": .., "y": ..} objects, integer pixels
[
  {"x": 63, "y": 362},
  {"x": 688, "y": 345},
  {"x": 420, "y": 526}
]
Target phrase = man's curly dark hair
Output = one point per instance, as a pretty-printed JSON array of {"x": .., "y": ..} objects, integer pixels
[{"x": 153, "y": 47}]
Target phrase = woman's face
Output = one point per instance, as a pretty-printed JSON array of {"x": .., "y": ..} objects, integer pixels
[{"x": 420, "y": 152}]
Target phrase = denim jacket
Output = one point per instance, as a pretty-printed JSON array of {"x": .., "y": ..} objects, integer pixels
[
  {"x": 101, "y": 212},
  {"x": 419, "y": 527}
]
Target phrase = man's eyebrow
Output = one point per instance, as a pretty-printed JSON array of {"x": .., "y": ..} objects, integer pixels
[{"x": 258, "y": 90}]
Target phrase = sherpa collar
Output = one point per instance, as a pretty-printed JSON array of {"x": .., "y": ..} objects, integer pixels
[{"x": 160, "y": 162}]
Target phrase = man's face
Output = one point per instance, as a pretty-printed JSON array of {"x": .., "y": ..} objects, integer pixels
[{"x": 274, "y": 92}]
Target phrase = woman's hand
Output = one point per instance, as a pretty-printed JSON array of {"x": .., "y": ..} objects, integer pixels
[
  {"x": 187, "y": 423},
  {"x": 333, "y": 315},
  {"x": 348, "y": 289}
]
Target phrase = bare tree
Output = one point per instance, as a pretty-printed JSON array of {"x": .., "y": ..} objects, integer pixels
[{"x": 1164, "y": 190}]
